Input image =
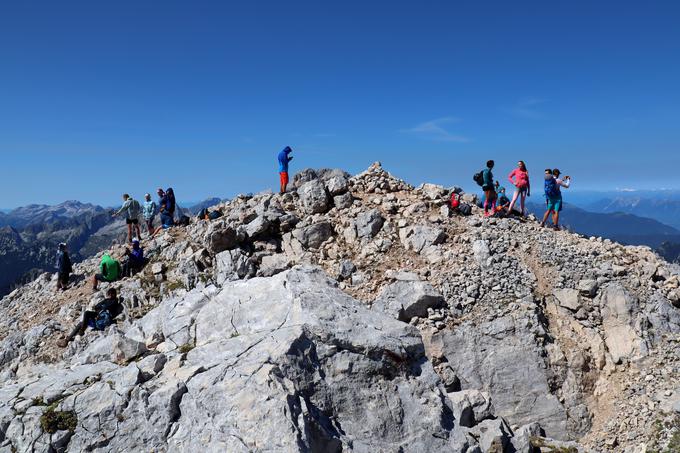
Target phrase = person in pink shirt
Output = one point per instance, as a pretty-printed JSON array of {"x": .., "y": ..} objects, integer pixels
[{"x": 519, "y": 177}]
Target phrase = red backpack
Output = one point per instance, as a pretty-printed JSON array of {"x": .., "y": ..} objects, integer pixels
[{"x": 455, "y": 201}]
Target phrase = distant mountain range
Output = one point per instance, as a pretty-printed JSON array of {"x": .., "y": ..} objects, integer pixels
[
  {"x": 662, "y": 205},
  {"x": 29, "y": 236},
  {"x": 618, "y": 226}
]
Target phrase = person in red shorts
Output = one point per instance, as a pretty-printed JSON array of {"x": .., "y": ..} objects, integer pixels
[{"x": 284, "y": 158}]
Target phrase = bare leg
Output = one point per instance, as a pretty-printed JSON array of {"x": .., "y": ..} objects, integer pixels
[
  {"x": 556, "y": 219},
  {"x": 545, "y": 217},
  {"x": 139, "y": 231},
  {"x": 94, "y": 283},
  {"x": 522, "y": 201},
  {"x": 514, "y": 200}
]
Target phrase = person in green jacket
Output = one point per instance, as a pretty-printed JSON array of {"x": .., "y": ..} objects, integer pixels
[{"x": 109, "y": 271}]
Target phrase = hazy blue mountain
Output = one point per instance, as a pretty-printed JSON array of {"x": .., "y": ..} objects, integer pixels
[
  {"x": 662, "y": 205},
  {"x": 29, "y": 237},
  {"x": 621, "y": 227}
]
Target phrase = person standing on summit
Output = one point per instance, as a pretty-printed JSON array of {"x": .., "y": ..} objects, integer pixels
[
  {"x": 553, "y": 195},
  {"x": 284, "y": 158},
  {"x": 132, "y": 209},
  {"x": 519, "y": 177},
  {"x": 489, "y": 189},
  {"x": 64, "y": 266}
]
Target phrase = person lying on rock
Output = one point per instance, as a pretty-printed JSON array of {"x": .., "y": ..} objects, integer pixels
[
  {"x": 100, "y": 318},
  {"x": 135, "y": 259},
  {"x": 109, "y": 271}
]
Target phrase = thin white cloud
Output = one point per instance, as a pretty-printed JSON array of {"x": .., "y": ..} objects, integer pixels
[
  {"x": 527, "y": 108},
  {"x": 436, "y": 130}
]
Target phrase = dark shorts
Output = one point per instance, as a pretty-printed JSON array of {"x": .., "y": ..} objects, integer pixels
[
  {"x": 63, "y": 277},
  {"x": 167, "y": 221},
  {"x": 101, "y": 278},
  {"x": 132, "y": 221}
]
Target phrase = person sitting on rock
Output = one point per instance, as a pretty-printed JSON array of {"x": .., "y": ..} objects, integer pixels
[
  {"x": 109, "y": 271},
  {"x": 284, "y": 158},
  {"x": 135, "y": 259},
  {"x": 64, "y": 267},
  {"x": 100, "y": 318},
  {"x": 503, "y": 200}
]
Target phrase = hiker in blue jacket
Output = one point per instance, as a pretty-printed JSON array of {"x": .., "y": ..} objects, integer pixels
[
  {"x": 553, "y": 195},
  {"x": 284, "y": 158},
  {"x": 64, "y": 267}
]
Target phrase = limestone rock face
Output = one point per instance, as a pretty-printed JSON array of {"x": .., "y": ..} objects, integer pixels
[
  {"x": 502, "y": 358},
  {"x": 286, "y": 363},
  {"x": 419, "y": 237},
  {"x": 313, "y": 197},
  {"x": 369, "y": 223},
  {"x": 621, "y": 338},
  {"x": 405, "y": 300}
]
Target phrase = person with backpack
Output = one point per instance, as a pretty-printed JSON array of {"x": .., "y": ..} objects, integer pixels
[
  {"x": 135, "y": 259},
  {"x": 149, "y": 211},
  {"x": 109, "y": 271},
  {"x": 485, "y": 179},
  {"x": 131, "y": 209},
  {"x": 284, "y": 157},
  {"x": 519, "y": 178},
  {"x": 503, "y": 200},
  {"x": 64, "y": 267},
  {"x": 102, "y": 316},
  {"x": 553, "y": 195}
]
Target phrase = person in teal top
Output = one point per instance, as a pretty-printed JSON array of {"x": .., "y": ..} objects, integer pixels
[
  {"x": 149, "y": 211},
  {"x": 488, "y": 188}
]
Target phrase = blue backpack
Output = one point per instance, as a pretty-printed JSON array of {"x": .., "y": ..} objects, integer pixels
[
  {"x": 103, "y": 320},
  {"x": 550, "y": 187}
]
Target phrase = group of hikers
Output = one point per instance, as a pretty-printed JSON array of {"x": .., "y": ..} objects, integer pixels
[
  {"x": 496, "y": 202},
  {"x": 110, "y": 269},
  {"x": 134, "y": 212}
]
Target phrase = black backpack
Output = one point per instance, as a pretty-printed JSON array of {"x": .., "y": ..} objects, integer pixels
[
  {"x": 464, "y": 209},
  {"x": 184, "y": 220},
  {"x": 479, "y": 178}
]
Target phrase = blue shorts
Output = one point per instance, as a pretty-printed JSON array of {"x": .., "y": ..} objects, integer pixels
[{"x": 554, "y": 204}]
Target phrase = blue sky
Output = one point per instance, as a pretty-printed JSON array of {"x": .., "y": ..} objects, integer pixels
[{"x": 97, "y": 99}]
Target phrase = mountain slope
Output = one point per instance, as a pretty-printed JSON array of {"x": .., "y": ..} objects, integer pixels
[
  {"x": 28, "y": 245},
  {"x": 354, "y": 314}
]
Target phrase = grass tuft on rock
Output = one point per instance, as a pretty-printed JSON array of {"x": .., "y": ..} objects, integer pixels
[{"x": 52, "y": 421}]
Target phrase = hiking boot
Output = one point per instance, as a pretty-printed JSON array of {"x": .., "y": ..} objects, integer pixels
[{"x": 556, "y": 227}]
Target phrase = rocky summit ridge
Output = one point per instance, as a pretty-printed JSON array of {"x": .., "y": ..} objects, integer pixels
[{"x": 355, "y": 313}]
